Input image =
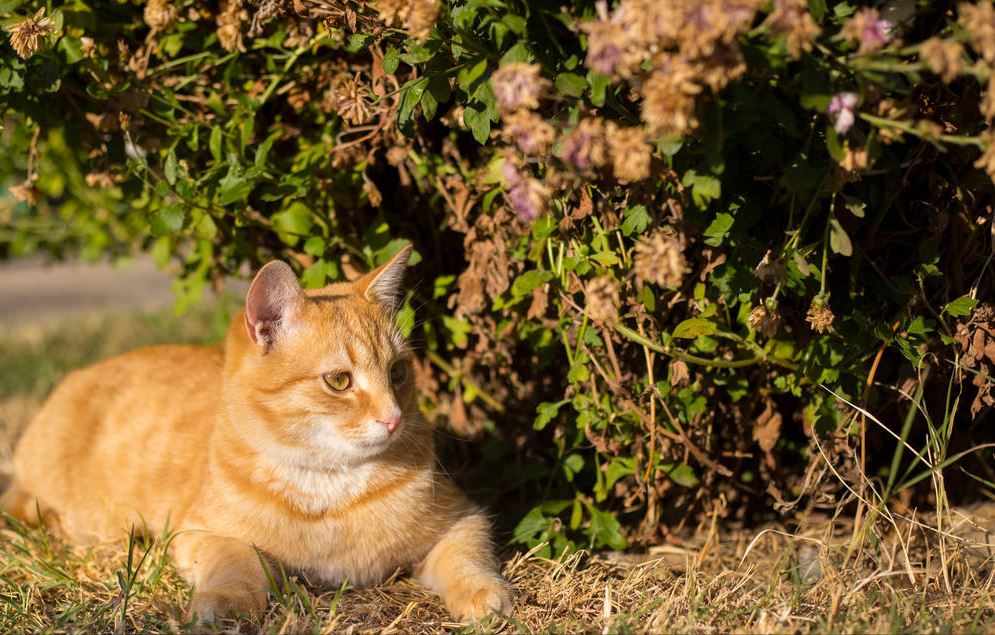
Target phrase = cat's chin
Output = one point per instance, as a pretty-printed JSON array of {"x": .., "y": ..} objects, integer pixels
[{"x": 355, "y": 451}]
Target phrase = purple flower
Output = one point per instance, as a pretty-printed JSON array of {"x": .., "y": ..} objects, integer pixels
[
  {"x": 875, "y": 34},
  {"x": 526, "y": 196},
  {"x": 867, "y": 29},
  {"x": 841, "y": 106},
  {"x": 604, "y": 58}
]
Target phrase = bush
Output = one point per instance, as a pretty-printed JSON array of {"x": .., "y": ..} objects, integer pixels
[{"x": 657, "y": 242}]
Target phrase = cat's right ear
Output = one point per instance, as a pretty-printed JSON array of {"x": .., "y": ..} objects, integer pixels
[{"x": 271, "y": 303}]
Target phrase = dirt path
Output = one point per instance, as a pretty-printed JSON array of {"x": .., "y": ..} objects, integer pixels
[{"x": 35, "y": 293}]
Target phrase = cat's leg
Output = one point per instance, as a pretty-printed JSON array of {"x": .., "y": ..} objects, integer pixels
[
  {"x": 227, "y": 575},
  {"x": 462, "y": 569}
]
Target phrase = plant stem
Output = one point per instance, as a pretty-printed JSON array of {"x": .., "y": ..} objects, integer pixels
[{"x": 677, "y": 353}]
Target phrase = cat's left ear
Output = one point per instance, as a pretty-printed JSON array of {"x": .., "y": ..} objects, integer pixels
[{"x": 383, "y": 284}]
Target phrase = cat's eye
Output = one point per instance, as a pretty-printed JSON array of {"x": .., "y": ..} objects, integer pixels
[
  {"x": 398, "y": 372},
  {"x": 338, "y": 381}
]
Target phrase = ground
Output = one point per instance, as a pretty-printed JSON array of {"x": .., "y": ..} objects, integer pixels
[{"x": 824, "y": 573}]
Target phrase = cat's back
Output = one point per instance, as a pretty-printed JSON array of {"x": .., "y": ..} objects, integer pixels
[{"x": 130, "y": 431}]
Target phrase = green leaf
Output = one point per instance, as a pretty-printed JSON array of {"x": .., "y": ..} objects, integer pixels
[
  {"x": 599, "y": 87},
  {"x": 704, "y": 187},
  {"x": 605, "y": 529},
  {"x": 234, "y": 186},
  {"x": 317, "y": 275},
  {"x": 683, "y": 474},
  {"x": 404, "y": 319},
  {"x": 570, "y": 84},
  {"x": 606, "y": 258},
  {"x": 579, "y": 371},
  {"x": 467, "y": 77},
  {"x": 478, "y": 121},
  {"x": 839, "y": 241},
  {"x": 854, "y": 205},
  {"x": 294, "y": 222},
  {"x": 618, "y": 468},
  {"x": 167, "y": 220},
  {"x": 818, "y": 9},
  {"x": 411, "y": 94},
  {"x": 214, "y": 145},
  {"x": 391, "y": 60},
  {"x": 529, "y": 282},
  {"x": 518, "y": 53},
  {"x": 534, "y": 522},
  {"x": 315, "y": 246},
  {"x": 357, "y": 42},
  {"x": 637, "y": 219},
  {"x": 693, "y": 327},
  {"x": 171, "y": 167},
  {"x": 546, "y": 412},
  {"x": 716, "y": 232},
  {"x": 961, "y": 307}
]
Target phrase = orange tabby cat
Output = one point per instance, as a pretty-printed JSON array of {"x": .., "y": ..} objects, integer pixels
[{"x": 300, "y": 439}]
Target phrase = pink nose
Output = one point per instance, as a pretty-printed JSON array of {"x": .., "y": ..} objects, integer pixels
[{"x": 392, "y": 422}]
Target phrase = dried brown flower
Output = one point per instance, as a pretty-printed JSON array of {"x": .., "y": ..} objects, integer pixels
[
  {"x": 602, "y": 298},
  {"x": 986, "y": 161},
  {"x": 87, "y": 46},
  {"x": 606, "y": 47},
  {"x": 943, "y": 57},
  {"x": 25, "y": 191},
  {"x": 763, "y": 320},
  {"x": 517, "y": 86},
  {"x": 659, "y": 259},
  {"x": 26, "y": 36},
  {"x": 584, "y": 147},
  {"x": 101, "y": 179},
  {"x": 669, "y": 100},
  {"x": 819, "y": 316},
  {"x": 393, "y": 11},
  {"x": 976, "y": 338},
  {"x": 298, "y": 97},
  {"x": 725, "y": 64},
  {"x": 350, "y": 98},
  {"x": 712, "y": 24},
  {"x": 679, "y": 373},
  {"x": 422, "y": 18},
  {"x": 979, "y": 20},
  {"x": 529, "y": 132},
  {"x": 853, "y": 160},
  {"x": 230, "y": 21},
  {"x": 792, "y": 18},
  {"x": 987, "y": 105},
  {"x": 159, "y": 14},
  {"x": 372, "y": 192},
  {"x": 771, "y": 269},
  {"x": 630, "y": 154}
]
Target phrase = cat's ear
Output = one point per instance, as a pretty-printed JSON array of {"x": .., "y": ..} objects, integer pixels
[
  {"x": 273, "y": 300},
  {"x": 383, "y": 284}
]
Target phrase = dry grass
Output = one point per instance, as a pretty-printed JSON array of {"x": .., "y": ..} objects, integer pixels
[
  {"x": 777, "y": 582},
  {"x": 889, "y": 574}
]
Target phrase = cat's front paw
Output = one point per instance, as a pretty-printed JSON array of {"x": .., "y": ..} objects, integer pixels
[
  {"x": 210, "y": 606},
  {"x": 474, "y": 599}
]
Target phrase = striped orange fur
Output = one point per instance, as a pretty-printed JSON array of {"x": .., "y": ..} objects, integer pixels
[{"x": 299, "y": 439}]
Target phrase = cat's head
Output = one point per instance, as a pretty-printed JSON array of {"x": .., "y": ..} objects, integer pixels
[{"x": 325, "y": 370}]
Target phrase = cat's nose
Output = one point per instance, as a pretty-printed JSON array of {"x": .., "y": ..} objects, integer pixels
[{"x": 392, "y": 422}]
